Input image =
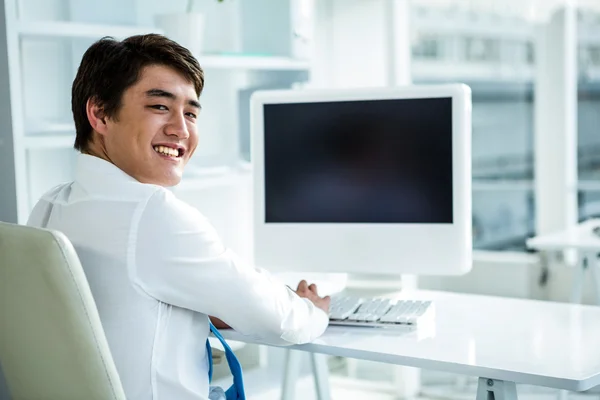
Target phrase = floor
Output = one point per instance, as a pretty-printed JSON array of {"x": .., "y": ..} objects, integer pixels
[
  {"x": 265, "y": 384},
  {"x": 305, "y": 391}
]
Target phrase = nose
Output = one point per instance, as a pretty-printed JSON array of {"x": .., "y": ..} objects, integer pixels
[{"x": 177, "y": 127}]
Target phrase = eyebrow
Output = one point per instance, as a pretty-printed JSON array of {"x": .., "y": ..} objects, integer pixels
[{"x": 169, "y": 95}]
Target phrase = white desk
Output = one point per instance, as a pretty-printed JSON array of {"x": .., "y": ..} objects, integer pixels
[
  {"x": 503, "y": 341},
  {"x": 581, "y": 239}
]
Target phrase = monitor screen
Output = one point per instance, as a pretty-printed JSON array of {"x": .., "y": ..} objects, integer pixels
[{"x": 367, "y": 161}]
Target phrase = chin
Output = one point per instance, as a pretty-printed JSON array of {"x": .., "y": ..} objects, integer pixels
[
  {"x": 166, "y": 180},
  {"x": 171, "y": 181}
]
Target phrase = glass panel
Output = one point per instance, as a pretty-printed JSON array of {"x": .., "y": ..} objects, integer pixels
[
  {"x": 493, "y": 53},
  {"x": 589, "y": 204},
  {"x": 588, "y": 95},
  {"x": 502, "y": 219},
  {"x": 588, "y": 111}
]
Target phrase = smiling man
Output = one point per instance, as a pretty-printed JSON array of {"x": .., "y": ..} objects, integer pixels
[{"x": 155, "y": 265}]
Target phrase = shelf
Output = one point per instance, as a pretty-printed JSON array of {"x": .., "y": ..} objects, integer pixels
[
  {"x": 44, "y": 127},
  {"x": 591, "y": 74},
  {"x": 44, "y": 134},
  {"x": 245, "y": 166},
  {"x": 482, "y": 185},
  {"x": 499, "y": 242},
  {"x": 208, "y": 61},
  {"x": 588, "y": 185},
  {"x": 198, "y": 178},
  {"x": 193, "y": 171},
  {"x": 464, "y": 25},
  {"x": 250, "y": 62},
  {"x": 462, "y": 71},
  {"x": 79, "y": 30},
  {"x": 49, "y": 141}
]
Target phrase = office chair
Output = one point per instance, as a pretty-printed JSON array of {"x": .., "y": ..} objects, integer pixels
[{"x": 52, "y": 344}]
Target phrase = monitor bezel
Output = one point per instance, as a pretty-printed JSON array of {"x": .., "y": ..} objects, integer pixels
[{"x": 396, "y": 248}]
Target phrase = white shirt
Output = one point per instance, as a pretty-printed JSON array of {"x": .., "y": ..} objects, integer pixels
[{"x": 157, "y": 269}]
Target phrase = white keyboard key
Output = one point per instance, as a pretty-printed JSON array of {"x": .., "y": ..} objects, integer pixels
[
  {"x": 384, "y": 307},
  {"x": 372, "y": 318},
  {"x": 398, "y": 309},
  {"x": 390, "y": 318},
  {"x": 343, "y": 312},
  {"x": 376, "y": 312},
  {"x": 357, "y": 317},
  {"x": 409, "y": 312}
]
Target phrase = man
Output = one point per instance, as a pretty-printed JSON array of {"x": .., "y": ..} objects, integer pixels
[{"x": 155, "y": 265}]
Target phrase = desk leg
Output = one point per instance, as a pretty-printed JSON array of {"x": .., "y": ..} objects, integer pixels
[
  {"x": 407, "y": 382},
  {"x": 496, "y": 390},
  {"x": 293, "y": 359},
  {"x": 594, "y": 266},
  {"x": 321, "y": 376},
  {"x": 578, "y": 273}
]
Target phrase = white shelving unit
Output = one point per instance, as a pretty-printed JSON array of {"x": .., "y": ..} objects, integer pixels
[
  {"x": 44, "y": 45},
  {"x": 49, "y": 135},
  {"x": 427, "y": 70},
  {"x": 49, "y": 142},
  {"x": 78, "y": 30},
  {"x": 243, "y": 62},
  {"x": 29, "y": 29}
]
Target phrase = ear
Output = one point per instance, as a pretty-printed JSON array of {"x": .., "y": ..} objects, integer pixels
[{"x": 96, "y": 116}]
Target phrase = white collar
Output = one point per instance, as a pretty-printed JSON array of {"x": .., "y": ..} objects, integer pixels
[{"x": 99, "y": 176}]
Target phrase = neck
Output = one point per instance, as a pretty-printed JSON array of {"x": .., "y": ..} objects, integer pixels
[{"x": 97, "y": 148}]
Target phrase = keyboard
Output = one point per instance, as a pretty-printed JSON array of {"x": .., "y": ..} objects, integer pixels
[{"x": 380, "y": 312}]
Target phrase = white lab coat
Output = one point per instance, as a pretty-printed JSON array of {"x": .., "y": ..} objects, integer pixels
[{"x": 157, "y": 269}]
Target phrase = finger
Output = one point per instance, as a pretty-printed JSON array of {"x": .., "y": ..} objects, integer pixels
[
  {"x": 302, "y": 286},
  {"x": 313, "y": 288},
  {"x": 327, "y": 299}
]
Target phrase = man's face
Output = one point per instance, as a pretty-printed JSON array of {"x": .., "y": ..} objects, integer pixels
[{"x": 154, "y": 133}]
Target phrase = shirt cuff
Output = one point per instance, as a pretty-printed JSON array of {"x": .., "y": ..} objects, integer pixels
[{"x": 316, "y": 325}]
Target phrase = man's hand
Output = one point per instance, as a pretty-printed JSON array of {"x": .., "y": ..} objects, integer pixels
[{"x": 310, "y": 292}]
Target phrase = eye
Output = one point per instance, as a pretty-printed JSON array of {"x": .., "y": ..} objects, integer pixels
[
  {"x": 159, "y": 107},
  {"x": 191, "y": 115}
]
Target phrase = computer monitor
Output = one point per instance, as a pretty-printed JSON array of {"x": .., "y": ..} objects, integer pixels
[{"x": 363, "y": 180}]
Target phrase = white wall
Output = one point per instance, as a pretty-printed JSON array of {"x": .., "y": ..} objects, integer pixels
[{"x": 355, "y": 52}]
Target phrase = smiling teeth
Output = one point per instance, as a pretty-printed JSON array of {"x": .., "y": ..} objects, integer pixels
[{"x": 166, "y": 151}]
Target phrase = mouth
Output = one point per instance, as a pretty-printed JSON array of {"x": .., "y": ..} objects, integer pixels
[{"x": 169, "y": 150}]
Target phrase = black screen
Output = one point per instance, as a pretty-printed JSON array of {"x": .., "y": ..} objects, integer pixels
[{"x": 372, "y": 161}]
